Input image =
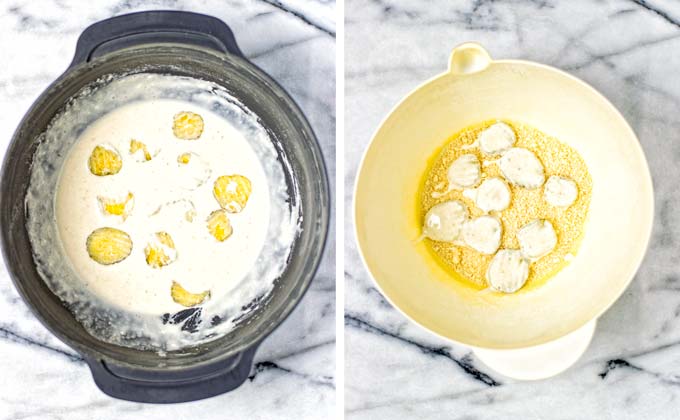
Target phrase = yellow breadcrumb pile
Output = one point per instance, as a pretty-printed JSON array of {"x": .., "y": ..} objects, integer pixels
[
  {"x": 108, "y": 245},
  {"x": 526, "y": 205}
]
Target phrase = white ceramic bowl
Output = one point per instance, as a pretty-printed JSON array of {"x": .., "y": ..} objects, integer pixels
[{"x": 388, "y": 218}]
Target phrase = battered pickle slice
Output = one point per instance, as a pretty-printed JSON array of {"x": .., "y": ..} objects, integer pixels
[
  {"x": 521, "y": 167},
  {"x": 194, "y": 171},
  {"x": 232, "y": 192},
  {"x": 483, "y": 234},
  {"x": 537, "y": 239},
  {"x": 187, "y": 125},
  {"x": 444, "y": 221},
  {"x": 105, "y": 160},
  {"x": 117, "y": 206},
  {"x": 496, "y": 139},
  {"x": 219, "y": 225},
  {"x": 560, "y": 191},
  {"x": 492, "y": 195},
  {"x": 508, "y": 271},
  {"x": 108, "y": 245},
  {"x": 178, "y": 209},
  {"x": 185, "y": 298},
  {"x": 139, "y": 151},
  {"x": 160, "y": 251},
  {"x": 464, "y": 172}
]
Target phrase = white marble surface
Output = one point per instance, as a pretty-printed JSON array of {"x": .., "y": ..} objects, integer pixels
[
  {"x": 628, "y": 51},
  {"x": 41, "y": 378}
]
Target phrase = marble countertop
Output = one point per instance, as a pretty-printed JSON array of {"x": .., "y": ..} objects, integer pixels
[
  {"x": 625, "y": 49},
  {"x": 294, "y": 372}
]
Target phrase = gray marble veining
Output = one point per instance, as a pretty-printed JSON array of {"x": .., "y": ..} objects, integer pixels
[
  {"x": 626, "y": 50},
  {"x": 293, "y": 376}
]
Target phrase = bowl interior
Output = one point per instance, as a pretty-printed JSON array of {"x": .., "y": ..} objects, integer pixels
[
  {"x": 388, "y": 219},
  {"x": 293, "y": 138}
]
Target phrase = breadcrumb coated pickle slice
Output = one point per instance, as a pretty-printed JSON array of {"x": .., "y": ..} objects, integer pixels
[
  {"x": 185, "y": 298},
  {"x": 492, "y": 195},
  {"x": 117, "y": 206},
  {"x": 521, "y": 167},
  {"x": 232, "y": 192},
  {"x": 560, "y": 191},
  {"x": 483, "y": 234},
  {"x": 187, "y": 125},
  {"x": 219, "y": 225},
  {"x": 496, "y": 139},
  {"x": 537, "y": 239},
  {"x": 464, "y": 172},
  {"x": 444, "y": 221},
  {"x": 508, "y": 271},
  {"x": 105, "y": 160},
  {"x": 108, "y": 245},
  {"x": 160, "y": 251},
  {"x": 139, "y": 151}
]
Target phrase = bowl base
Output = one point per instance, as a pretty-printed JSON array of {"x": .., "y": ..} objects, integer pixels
[{"x": 542, "y": 361}]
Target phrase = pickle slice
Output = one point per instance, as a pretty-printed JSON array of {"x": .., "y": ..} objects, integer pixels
[
  {"x": 232, "y": 192},
  {"x": 185, "y": 298},
  {"x": 105, "y": 160},
  {"x": 108, "y": 245}
]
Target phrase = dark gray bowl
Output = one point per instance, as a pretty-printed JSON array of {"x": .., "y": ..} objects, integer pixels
[{"x": 185, "y": 44}]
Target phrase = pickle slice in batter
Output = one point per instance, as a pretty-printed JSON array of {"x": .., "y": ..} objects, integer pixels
[
  {"x": 508, "y": 271},
  {"x": 160, "y": 251},
  {"x": 560, "y": 191},
  {"x": 184, "y": 158},
  {"x": 219, "y": 225},
  {"x": 496, "y": 139},
  {"x": 187, "y": 125},
  {"x": 105, "y": 160},
  {"x": 537, "y": 239},
  {"x": 483, "y": 234},
  {"x": 493, "y": 194},
  {"x": 194, "y": 171},
  {"x": 232, "y": 192},
  {"x": 139, "y": 151},
  {"x": 185, "y": 298},
  {"x": 117, "y": 206},
  {"x": 464, "y": 172},
  {"x": 521, "y": 167},
  {"x": 444, "y": 221},
  {"x": 178, "y": 209},
  {"x": 108, "y": 245}
]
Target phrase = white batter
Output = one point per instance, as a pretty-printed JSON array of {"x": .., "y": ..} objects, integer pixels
[
  {"x": 129, "y": 303},
  {"x": 203, "y": 263}
]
